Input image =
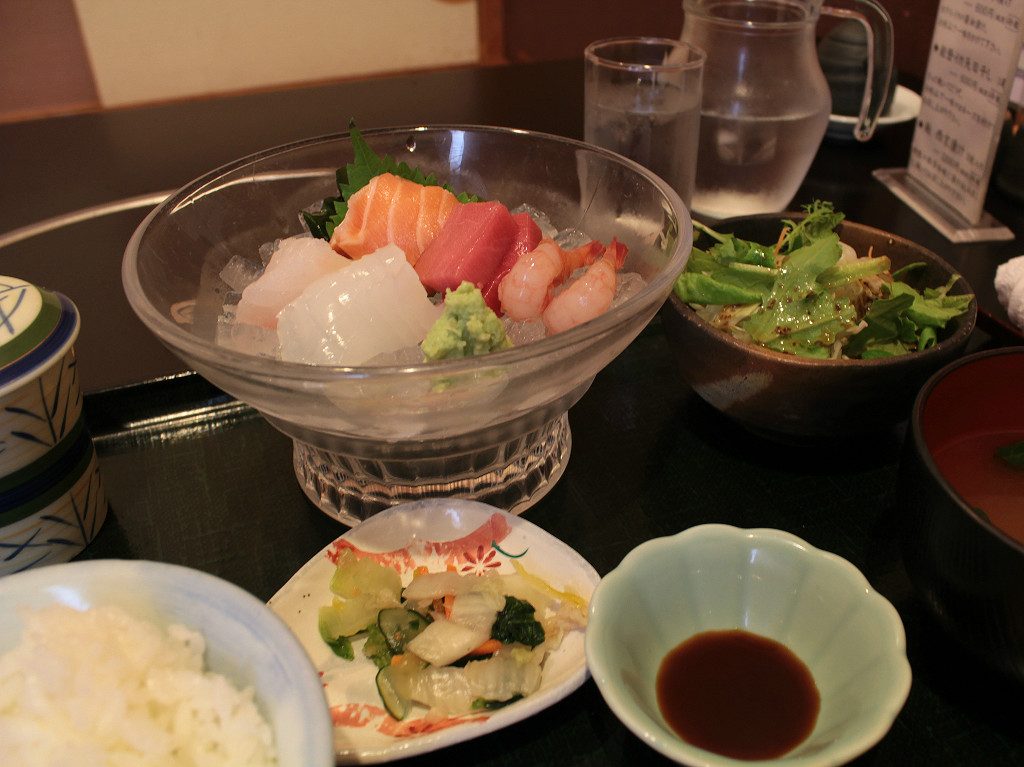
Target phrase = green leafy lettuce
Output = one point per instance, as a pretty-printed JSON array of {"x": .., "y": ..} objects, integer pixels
[
  {"x": 797, "y": 296},
  {"x": 906, "y": 321}
]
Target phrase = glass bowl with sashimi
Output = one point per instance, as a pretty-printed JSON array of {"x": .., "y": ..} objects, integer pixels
[{"x": 417, "y": 307}]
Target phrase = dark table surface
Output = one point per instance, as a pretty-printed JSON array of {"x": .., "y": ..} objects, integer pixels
[{"x": 198, "y": 479}]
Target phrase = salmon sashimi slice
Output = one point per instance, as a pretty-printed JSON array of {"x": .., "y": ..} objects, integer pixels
[
  {"x": 434, "y": 210},
  {"x": 394, "y": 210}
]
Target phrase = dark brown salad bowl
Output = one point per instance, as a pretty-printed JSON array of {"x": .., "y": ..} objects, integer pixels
[
  {"x": 966, "y": 567},
  {"x": 794, "y": 399}
]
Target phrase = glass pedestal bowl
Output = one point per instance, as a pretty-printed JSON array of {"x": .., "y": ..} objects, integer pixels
[{"x": 491, "y": 428}]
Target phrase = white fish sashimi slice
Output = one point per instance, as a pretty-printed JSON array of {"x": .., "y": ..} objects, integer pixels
[
  {"x": 374, "y": 306},
  {"x": 296, "y": 263}
]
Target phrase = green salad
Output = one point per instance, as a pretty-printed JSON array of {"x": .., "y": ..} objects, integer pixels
[{"x": 811, "y": 295}]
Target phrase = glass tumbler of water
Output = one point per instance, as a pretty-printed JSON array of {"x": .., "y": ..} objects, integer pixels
[{"x": 642, "y": 99}]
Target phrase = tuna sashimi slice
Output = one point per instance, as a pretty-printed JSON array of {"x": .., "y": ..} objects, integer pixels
[
  {"x": 526, "y": 238},
  {"x": 297, "y": 262},
  {"x": 390, "y": 209},
  {"x": 468, "y": 248}
]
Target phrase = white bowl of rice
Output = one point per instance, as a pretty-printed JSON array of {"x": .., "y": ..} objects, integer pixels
[{"x": 112, "y": 662}]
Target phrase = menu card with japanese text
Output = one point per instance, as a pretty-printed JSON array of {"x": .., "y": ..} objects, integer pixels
[{"x": 971, "y": 67}]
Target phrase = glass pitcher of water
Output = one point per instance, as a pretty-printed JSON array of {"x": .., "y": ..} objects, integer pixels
[{"x": 766, "y": 102}]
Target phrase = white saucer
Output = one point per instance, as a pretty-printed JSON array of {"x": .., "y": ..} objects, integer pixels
[
  {"x": 436, "y": 533},
  {"x": 905, "y": 106}
]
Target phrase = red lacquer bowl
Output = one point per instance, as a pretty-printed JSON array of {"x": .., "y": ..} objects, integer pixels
[{"x": 962, "y": 507}]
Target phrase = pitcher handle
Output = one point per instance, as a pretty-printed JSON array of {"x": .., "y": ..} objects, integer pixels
[{"x": 878, "y": 25}]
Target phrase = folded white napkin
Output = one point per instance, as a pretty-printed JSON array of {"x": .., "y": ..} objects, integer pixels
[{"x": 1010, "y": 289}]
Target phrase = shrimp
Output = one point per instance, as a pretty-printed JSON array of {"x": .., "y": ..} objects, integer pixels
[
  {"x": 526, "y": 289},
  {"x": 588, "y": 296}
]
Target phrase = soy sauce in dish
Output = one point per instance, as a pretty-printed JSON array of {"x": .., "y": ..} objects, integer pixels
[{"x": 737, "y": 694}]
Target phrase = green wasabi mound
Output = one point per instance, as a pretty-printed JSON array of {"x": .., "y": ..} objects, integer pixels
[{"x": 466, "y": 328}]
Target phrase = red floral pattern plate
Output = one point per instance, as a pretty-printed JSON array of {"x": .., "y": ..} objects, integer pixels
[{"x": 439, "y": 533}]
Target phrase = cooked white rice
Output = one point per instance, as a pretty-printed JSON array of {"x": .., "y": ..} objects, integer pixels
[{"x": 101, "y": 688}]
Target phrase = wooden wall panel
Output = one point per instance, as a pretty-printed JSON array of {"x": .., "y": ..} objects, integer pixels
[
  {"x": 914, "y": 25},
  {"x": 44, "y": 68},
  {"x": 540, "y": 30}
]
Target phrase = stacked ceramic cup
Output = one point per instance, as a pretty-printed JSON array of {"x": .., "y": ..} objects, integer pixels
[{"x": 51, "y": 498}]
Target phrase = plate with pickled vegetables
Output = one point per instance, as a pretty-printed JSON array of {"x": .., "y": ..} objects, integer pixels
[{"x": 439, "y": 621}]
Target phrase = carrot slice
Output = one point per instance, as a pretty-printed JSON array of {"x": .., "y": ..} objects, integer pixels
[{"x": 487, "y": 647}]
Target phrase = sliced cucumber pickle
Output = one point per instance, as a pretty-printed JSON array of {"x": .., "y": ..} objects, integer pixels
[
  {"x": 376, "y": 647},
  {"x": 399, "y": 625},
  {"x": 396, "y": 705},
  {"x": 328, "y": 623},
  {"x": 332, "y": 633}
]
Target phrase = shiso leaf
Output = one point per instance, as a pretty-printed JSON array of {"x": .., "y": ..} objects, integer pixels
[{"x": 355, "y": 175}]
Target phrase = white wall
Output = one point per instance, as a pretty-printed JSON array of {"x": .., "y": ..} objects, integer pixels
[{"x": 152, "y": 50}]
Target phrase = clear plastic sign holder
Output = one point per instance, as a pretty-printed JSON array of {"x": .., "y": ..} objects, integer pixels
[
  {"x": 971, "y": 69},
  {"x": 949, "y": 222}
]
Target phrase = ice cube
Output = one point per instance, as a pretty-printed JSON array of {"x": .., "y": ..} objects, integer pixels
[
  {"x": 239, "y": 272},
  {"x": 525, "y": 332},
  {"x": 248, "y": 339},
  {"x": 540, "y": 218},
  {"x": 567, "y": 239},
  {"x": 408, "y": 355},
  {"x": 627, "y": 286}
]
